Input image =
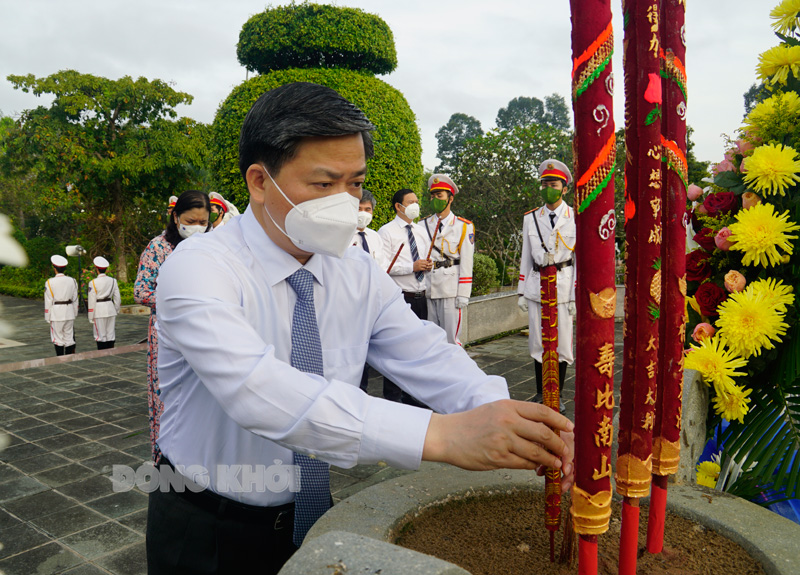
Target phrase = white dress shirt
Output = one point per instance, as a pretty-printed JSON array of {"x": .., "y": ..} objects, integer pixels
[
  {"x": 230, "y": 395},
  {"x": 394, "y": 234},
  {"x": 375, "y": 245}
]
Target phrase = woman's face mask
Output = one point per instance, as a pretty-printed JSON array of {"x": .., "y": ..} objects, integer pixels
[{"x": 323, "y": 225}]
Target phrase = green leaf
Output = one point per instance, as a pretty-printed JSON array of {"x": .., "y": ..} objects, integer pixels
[{"x": 728, "y": 180}]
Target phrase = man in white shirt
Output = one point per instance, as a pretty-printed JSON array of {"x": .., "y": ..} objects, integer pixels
[
  {"x": 104, "y": 305},
  {"x": 409, "y": 268},
  {"x": 61, "y": 307},
  {"x": 274, "y": 377},
  {"x": 369, "y": 241},
  {"x": 548, "y": 239}
]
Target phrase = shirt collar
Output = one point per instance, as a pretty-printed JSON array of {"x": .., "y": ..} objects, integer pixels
[{"x": 276, "y": 263}]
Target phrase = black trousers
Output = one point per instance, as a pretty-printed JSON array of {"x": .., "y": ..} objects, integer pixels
[
  {"x": 419, "y": 305},
  {"x": 562, "y": 374},
  {"x": 187, "y": 539}
]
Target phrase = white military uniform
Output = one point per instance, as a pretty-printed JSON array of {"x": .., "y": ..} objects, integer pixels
[
  {"x": 451, "y": 277},
  {"x": 375, "y": 245},
  {"x": 559, "y": 241},
  {"x": 104, "y": 303},
  {"x": 61, "y": 308}
]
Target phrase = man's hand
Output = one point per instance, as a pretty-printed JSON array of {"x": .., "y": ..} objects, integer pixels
[
  {"x": 423, "y": 265},
  {"x": 572, "y": 309},
  {"x": 568, "y": 467},
  {"x": 504, "y": 434},
  {"x": 523, "y": 303},
  {"x": 461, "y": 302}
]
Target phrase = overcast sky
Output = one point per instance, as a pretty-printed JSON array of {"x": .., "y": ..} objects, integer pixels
[{"x": 453, "y": 55}]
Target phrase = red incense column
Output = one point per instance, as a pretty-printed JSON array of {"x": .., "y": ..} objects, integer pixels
[
  {"x": 666, "y": 434},
  {"x": 595, "y": 151},
  {"x": 550, "y": 392},
  {"x": 637, "y": 416}
]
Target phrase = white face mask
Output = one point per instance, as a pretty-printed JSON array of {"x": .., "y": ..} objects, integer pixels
[
  {"x": 188, "y": 231},
  {"x": 412, "y": 211},
  {"x": 323, "y": 225},
  {"x": 364, "y": 218}
]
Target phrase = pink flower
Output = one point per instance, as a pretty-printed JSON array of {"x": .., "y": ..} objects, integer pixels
[
  {"x": 749, "y": 199},
  {"x": 723, "y": 166},
  {"x": 702, "y": 331},
  {"x": 701, "y": 209},
  {"x": 744, "y": 146},
  {"x": 721, "y": 239},
  {"x": 734, "y": 281},
  {"x": 694, "y": 192},
  {"x": 653, "y": 92}
]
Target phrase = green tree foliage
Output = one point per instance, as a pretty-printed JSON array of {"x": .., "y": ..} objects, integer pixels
[
  {"x": 484, "y": 275},
  {"x": 109, "y": 150},
  {"x": 316, "y": 36},
  {"x": 498, "y": 181},
  {"x": 452, "y": 139},
  {"x": 523, "y": 111},
  {"x": 348, "y": 70}
]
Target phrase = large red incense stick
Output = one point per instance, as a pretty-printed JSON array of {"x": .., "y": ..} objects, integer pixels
[
  {"x": 595, "y": 152},
  {"x": 550, "y": 392},
  {"x": 644, "y": 187},
  {"x": 666, "y": 434}
]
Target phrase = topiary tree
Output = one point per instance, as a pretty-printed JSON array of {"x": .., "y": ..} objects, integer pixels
[{"x": 341, "y": 48}]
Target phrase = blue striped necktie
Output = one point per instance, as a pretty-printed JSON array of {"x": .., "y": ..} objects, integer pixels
[
  {"x": 414, "y": 251},
  {"x": 314, "y": 497},
  {"x": 364, "y": 243}
]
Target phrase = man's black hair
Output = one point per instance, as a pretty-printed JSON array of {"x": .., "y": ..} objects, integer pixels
[
  {"x": 399, "y": 196},
  {"x": 188, "y": 200},
  {"x": 281, "y": 118},
  {"x": 60, "y": 269}
]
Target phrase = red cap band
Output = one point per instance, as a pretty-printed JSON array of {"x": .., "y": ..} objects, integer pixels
[
  {"x": 220, "y": 203},
  {"x": 554, "y": 173}
]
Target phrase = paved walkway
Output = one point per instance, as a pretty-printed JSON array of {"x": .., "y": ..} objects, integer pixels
[{"x": 71, "y": 419}]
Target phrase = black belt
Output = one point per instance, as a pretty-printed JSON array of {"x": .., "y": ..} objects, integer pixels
[
  {"x": 446, "y": 263},
  {"x": 558, "y": 266},
  {"x": 104, "y": 299},
  {"x": 414, "y": 294},
  {"x": 62, "y": 302},
  {"x": 278, "y": 518}
]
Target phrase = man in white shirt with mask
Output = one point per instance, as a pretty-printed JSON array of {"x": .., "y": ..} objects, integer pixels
[{"x": 260, "y": 361}]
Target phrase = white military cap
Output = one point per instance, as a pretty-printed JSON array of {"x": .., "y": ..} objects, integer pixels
[
  {"x": 442, "y": 182},
  {"x": 100, "y": 262},
  {"x": 555, "y": 169},
  {"x": 58, "y": 261}
]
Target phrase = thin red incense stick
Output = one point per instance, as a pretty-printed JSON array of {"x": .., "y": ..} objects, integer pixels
[
  {"x": 394, "y": 259},
  {"x": 666, "y": 434}
]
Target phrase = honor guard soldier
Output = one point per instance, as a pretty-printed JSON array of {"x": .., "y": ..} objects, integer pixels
[
  {"x": 222, "y": 211},
  {"x": 171, "y": 205},
  {"x": 548, "y": 239},
  {"x": 449, "y": 284},
  {"x": 104, "y": 303},
  {"x": 61, "y": 307}
]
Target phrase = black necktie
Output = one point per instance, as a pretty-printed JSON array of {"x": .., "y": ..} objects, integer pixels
[
  {"x": 553, "y": 220},
  {"x": 412, "y": 243},
  {"x": 364, "y": 243}
]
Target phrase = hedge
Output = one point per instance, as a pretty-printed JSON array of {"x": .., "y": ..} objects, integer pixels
[
  {"x": 396, "y": 163},
  {"x": 484, "y": 274},
  {"x": 316, "y": 36}
]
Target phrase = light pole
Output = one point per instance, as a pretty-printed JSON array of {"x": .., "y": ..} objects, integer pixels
[{"x": 78, "y": 250}]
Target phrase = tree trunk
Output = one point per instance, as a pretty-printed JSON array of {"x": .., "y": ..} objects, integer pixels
[{"x": 119, "y": 235}]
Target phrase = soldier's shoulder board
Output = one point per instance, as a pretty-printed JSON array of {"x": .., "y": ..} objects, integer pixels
[
  {"x": 530, "y": 211},
  {"x": 466, "y": 221}
]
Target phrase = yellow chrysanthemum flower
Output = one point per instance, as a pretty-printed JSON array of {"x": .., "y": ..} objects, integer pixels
[
  {"x": 775, "y": 64},
  {"x": 772, "y": 168},
  {"x": 787, "y": 103},
  {"x": 775, "y": 293},
  {"x": 716, "y": 364},
  {"x": 785, "y": 16},
  {"x": 733, "y": 406},
  {"x": 747, "y": 323},
  {"x": 759, "y": 232},
  {"x": 708, "y": 473}
]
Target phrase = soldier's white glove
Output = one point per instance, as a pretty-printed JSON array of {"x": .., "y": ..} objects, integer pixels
[
  {"x": 572, "y": 309},
  {"x": 523, "y": 303},
  {"x": 461, "y": 302}
]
